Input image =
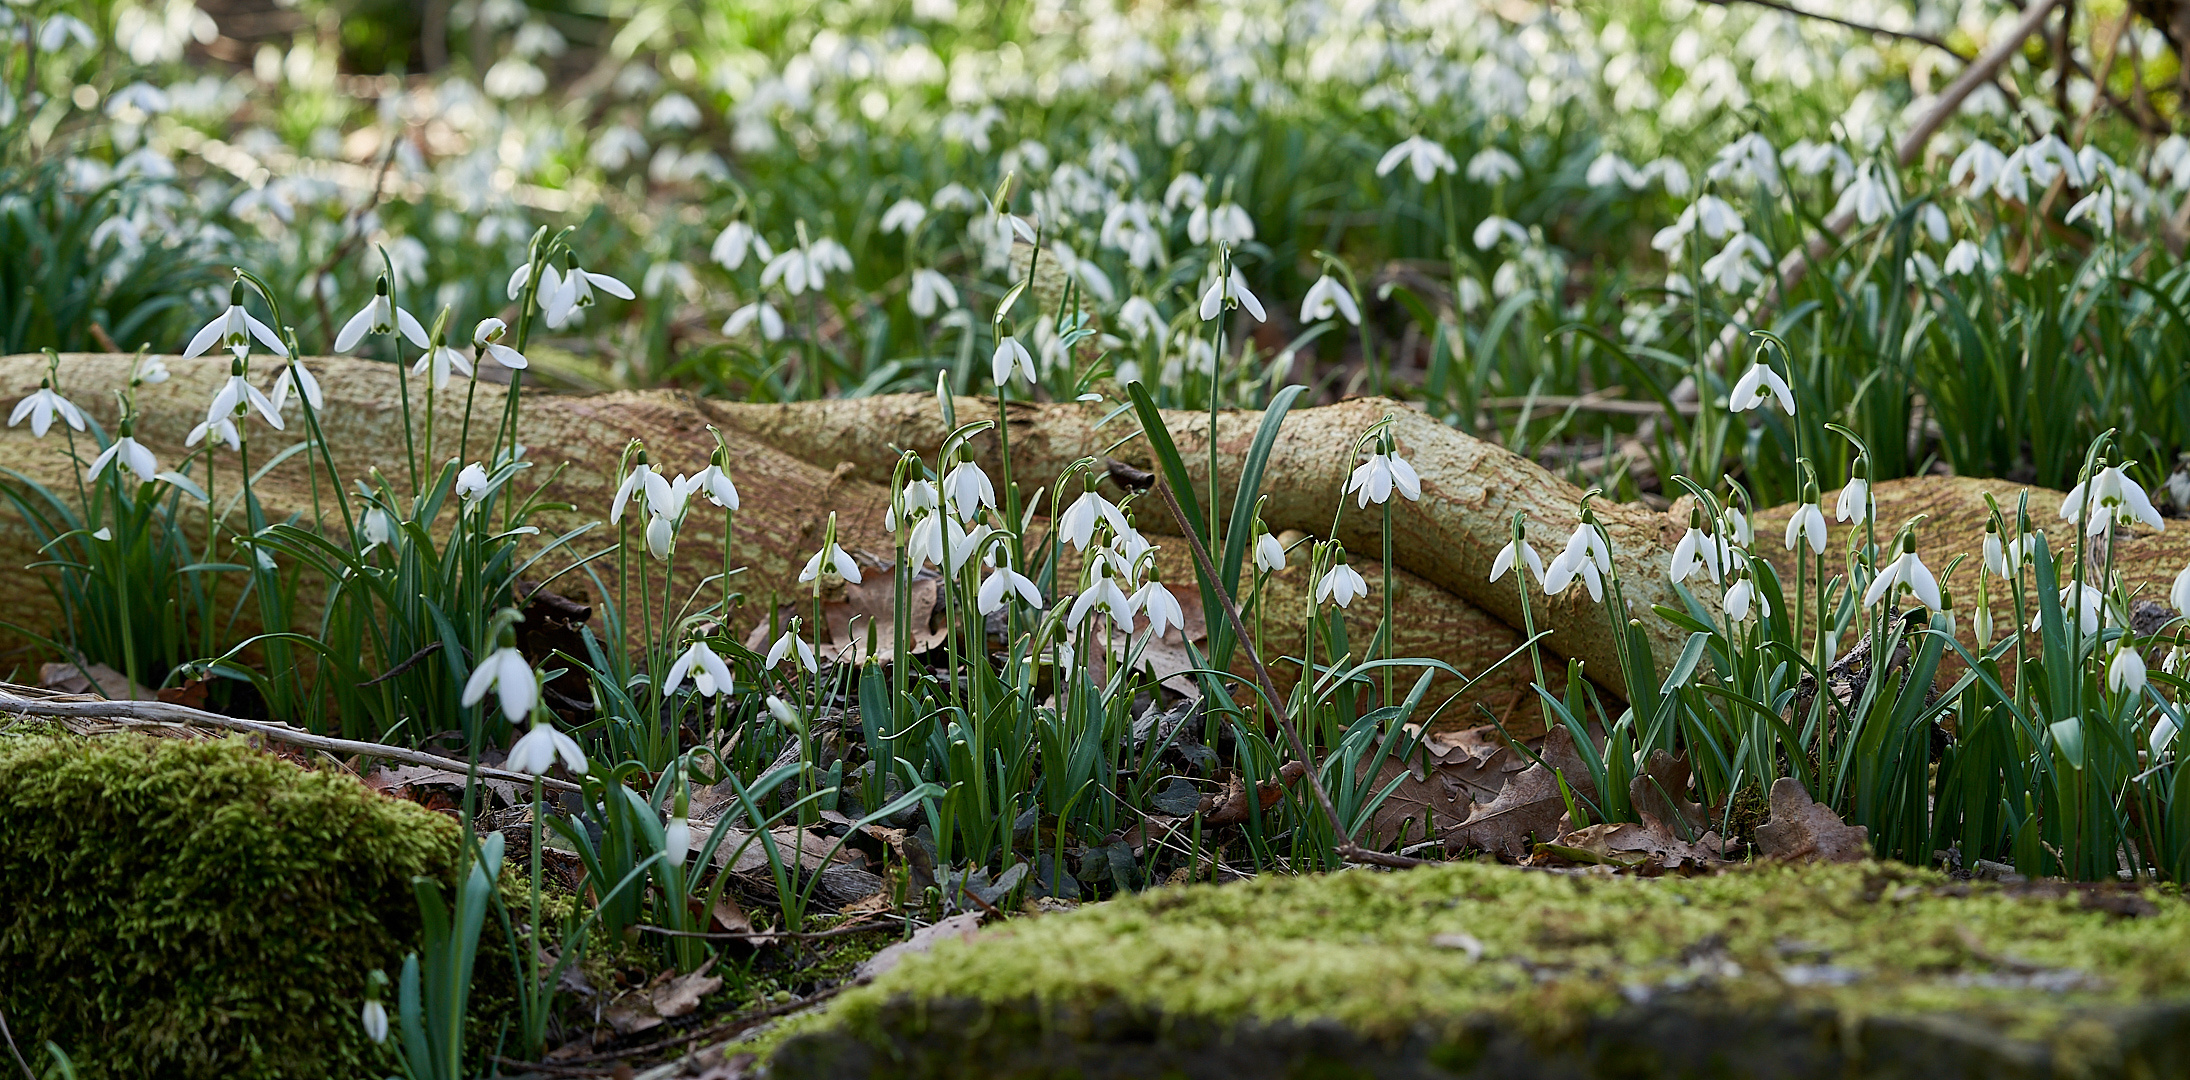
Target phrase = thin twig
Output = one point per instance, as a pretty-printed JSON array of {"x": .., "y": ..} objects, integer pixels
[
  {"x": 1347, "y": 849},
  {"x": 1867, "y": 28},
  {"x": 731, "y": 1026},
  {"x": 430, "y": 649},
  {"x": 762, "y": 936},
  {"x": 161, "y": 712}
]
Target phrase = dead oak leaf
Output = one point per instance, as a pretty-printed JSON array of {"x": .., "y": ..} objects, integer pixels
[
  {"x": 1530, "y": 805},
  {"x": 1660, "y": 791},
  {"x": 1802, "y": 830},
  {"x": 1648, "y": 846},
  {"x": 669, "y": 996}
]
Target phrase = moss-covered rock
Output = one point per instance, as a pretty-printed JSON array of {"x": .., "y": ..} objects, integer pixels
[
  {"x": 1473, "y": 970},
  {"x": 200, "y": 909}
]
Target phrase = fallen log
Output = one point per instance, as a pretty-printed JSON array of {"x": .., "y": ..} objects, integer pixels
[{"x": 795, "y": 464}]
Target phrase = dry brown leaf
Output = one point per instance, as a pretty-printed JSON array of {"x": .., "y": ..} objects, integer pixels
[
  {"x": 851, "y": 610},
  {"x": 1650, "y": 846},
  {"x": 810, "y": 848},
  {"x": 669, "y": 996},
  {"x": 1230, "y": 807},
  {"x": 1805, "y": 831},
  {"x": 1660, "y": 791},
  {"x": 956, "y": 928},
  {"x": 728, "y": 918},
  {"x": 1530, "y": 804},
  {"x": 64, "y": 678}
]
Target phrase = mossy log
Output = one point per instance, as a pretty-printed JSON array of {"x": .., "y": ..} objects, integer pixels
[
  {"x": 1475, "y": 970},
  {"x": 794, "y": 464},
  {"x": 201, "y": 909}
]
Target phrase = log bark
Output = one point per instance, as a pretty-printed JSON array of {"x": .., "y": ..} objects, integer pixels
[{"x": 794, "y": 464}]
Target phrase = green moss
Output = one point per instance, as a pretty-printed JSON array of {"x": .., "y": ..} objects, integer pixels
[
  {"x": 1561, "y": 953},
  {"x": 200, "y": 909}
]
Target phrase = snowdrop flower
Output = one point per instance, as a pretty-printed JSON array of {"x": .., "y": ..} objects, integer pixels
[
  {"x": 1963, "y": 258},
  {"x": 676, "y": 840},
  {"x": 224, "y": 428},
  {"x": 904, "y": 216},
  {"x": 1867, "y": 197},
  {"x": 551, "y": 282},
  {"x": 713, "y": 482},
  {"x": 1905, "y": 572},
  {"x": 43, "y": 405},
  {"x": 2179, "y": 595},
  {"x": 1585, "y": 557},
  {"x": 1102, "y": 594},
  {"x": 1737, "y": 527},
  {"x": 1698, "y": 550},
  {"x": 665, "y": 511},
  {"x": 471, "y": 482},
  {"x": 2099, "y": 207},
  {"x": 788, "y": 643},
  {"x": 234, "y": 329},
  {"x": 125, "y": 452},
  {"x": 506, "y": 673},
  {"x": 2004, "y": 560},
  {"x": 1980, "y": 163},
  {"x": 1327, "y": 298},
  {"x": 296, "y": 377},
  {"x": 235, "y": 394},
  {"x": 1011, "y": 357},
  {"x": 919, "y": 498},
  {"x": 806, "y": 266},
  {"x": 1742, "y": 596},
  {"x": 541, "y": 747},
  {"x": 968, "y": 490},
  {"x": 1491, "y": 165},
  {"x": 836, "y": 559},
  {"x": 380, "y": 529},
  {"x": 150, "y": 371},
  {"x": 1270, "y": 555},
  {"x": 440, "y": 361},
  {"x": 702, "y": 659},
  {"x": 487, "y": 338},
  {"x": 1079, "y": 521},
  {"x": 1140, "y": 318},
  {"x": 936, "y": 535},
  {"x": 759, "y": 311},
  {"x": 1807, "y": 524},
  {"x": 374, "y": 1016},
  {"x": 2112, "y": 497},
  {"x": 735, "y": 240},
  {"x": 1506, "y": 558},
  {"x": 1228, "y": 289},
  {"x": 1162, "y": 607},
  {"x": 1761, "y": 386},
  {"x": 1424, "y": 157},
  {"x": 1341, "y": 584},
  {"x": 1185, "y": 189},
  {"x": 632, "y": 487},
  {"x": 1854, "y": 506},
  {"x": 2164, "y": 731},
  {"x": 2088, "y": 606},
  {"x": 1737, "y": 264},
  {"x": 575, "y": 294},
  {"x": 1374, "y": 479},
  {"x": 930, "y": 292},
  {"x": 379, "y": 316},
  {"x": 1224, "y": 224},
  {"x": 1003, "y": 583},
  {"x": 2125, "y": 675},
  {"x": 1498, "y": 227}
]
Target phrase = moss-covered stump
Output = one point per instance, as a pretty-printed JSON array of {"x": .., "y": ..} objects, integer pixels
[
  {"x": 1483, "y": 971},
  {"x": 200, "y": 909}
]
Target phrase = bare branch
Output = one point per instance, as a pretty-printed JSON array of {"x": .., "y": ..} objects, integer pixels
[{"x": 23, "y": 700}]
